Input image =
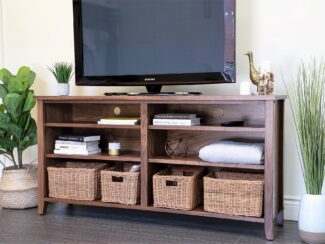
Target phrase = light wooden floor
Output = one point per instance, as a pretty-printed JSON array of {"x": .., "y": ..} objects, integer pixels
[{"x": 67, "y": 224}]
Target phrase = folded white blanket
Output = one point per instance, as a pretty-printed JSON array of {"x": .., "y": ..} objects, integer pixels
[{"x": 233, "y": 152}]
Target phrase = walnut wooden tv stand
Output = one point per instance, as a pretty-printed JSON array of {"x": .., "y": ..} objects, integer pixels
[{"x": 144, "y": 143}]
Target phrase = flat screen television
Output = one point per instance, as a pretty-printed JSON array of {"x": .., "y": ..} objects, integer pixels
[{"x": 154, "y": 42}]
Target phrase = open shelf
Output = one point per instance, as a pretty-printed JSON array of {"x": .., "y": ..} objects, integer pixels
[
  {"x": 91, "y": 126},
  {"x": 125, "y": 156},
  {"x": 208, "y": 128},
  {"x": 196, "y": 161},
  {"x": 195, "y": 212}
]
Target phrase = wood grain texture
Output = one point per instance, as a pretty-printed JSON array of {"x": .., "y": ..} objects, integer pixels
[
  {"x": 269, "y": 167},
  {"x": 41, "y": 159},
  {"x": 145, "y": 143},
  {"x": 196, "y": 161},
  {"x": 163, "y": 99}
]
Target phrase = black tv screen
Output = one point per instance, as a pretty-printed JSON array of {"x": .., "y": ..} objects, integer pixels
[{"x": 154, "y": 42}]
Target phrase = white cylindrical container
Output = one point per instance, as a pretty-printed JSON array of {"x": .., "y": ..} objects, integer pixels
[
  {"x": 114, "y": 148},
  {"x": 245, "y": 88},
  {"x": 312, "y": 219},
  {"x": 62, "y": 89}
]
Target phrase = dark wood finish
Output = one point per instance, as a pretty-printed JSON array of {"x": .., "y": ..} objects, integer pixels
[
  {"x": 195, "y": 161},
  {"x": 124, "y": 156},
  {"x": 195, "y": 212},
  {"x": 92, "y": 126},
  {"x": 269, "y": 170},
  {"x": 145, "y": 143},
  {"x": 41, "y": 159},
  {"x": 208, "y": 128}
]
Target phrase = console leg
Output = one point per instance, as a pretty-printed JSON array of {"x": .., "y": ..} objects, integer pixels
[
  {"x": 280, "y": 218},
  {"x": 269, "y": 231},
  {"x": 42, "y": 206}
]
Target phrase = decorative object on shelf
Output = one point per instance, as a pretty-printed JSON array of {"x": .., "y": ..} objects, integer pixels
[
  {"x": 119, "y": 121},
  {"x": 234, "y": 193},
  {"x": 77, "y": 145},
  {"x": 75, "y": 180},
  {"x": 114, "y": 148},
  {"x": 233, "y": 152},
  {"x": 121, "y": 184},
  {"x": 307, "y": 100},
  {"x": 263, "y": 80},
  {"x": 245, "y": 88},
  {"x": 178, "y": 188},
  {"x": 18, "y": 131},
  {"x": 62, "y": 72},
  {"x": 176, "y": 148}
]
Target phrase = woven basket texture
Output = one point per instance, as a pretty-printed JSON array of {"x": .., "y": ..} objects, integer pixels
[
  {"x": 75, "y": 180},
  {"x": 234, "y": 193},
  {"x": 18, "y": 188},
  {"x": 120, "y": 186},
  {"x": 178, "y": 188}
]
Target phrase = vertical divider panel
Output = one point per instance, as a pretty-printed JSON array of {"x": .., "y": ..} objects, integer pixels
[
  {"x": 144, "y": 155},
  {"x": 42, "y": 184},
  {"x": 269, "y": 170}
]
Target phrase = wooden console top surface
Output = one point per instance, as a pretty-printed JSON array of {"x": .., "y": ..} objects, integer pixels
[{"x": 201, "y": 98}]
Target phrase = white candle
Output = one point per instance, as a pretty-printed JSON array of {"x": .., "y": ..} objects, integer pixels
[
  {"x": 114, "y": 145},
  {"x": 114, "y": 148},
  {"x": 266, "y": 66},
  {"x": 245, "y": 88}
]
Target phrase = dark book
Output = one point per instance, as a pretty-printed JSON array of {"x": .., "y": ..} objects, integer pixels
[
  {"x": 175, "y": 116},
  {"x": 81, "y": 138}
]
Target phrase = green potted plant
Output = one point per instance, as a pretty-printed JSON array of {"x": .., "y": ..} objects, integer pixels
[
  {"x": 18, "y": 131},
  {"x": 308, "y": 105},
  {"x": 62, "y": 72}
]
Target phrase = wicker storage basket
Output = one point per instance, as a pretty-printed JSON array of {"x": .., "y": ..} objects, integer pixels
[
  {"x": 74, "y": 180},
  {"x": 120, "y": 186},
  {"x": 234, "y": 193},
  {"x": 178, "y": 188}
]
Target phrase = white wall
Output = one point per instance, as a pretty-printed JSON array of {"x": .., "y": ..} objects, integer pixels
[{"x": 40, "y": 32}]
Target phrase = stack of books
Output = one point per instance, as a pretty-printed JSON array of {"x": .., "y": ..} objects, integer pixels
[
  {"x": 77, "y": 145},
  {"x": 176, "y": 119},
  {"x": 119, "y": 121}
]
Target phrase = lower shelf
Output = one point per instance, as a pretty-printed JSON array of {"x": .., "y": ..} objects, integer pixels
[{"x": 195, "y": 212}]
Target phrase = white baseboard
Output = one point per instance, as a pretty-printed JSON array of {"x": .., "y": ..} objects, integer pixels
[{"x": 291, "y": 207}]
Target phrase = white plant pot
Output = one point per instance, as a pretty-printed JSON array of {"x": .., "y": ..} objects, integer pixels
[
  {"x": 312, "y": 219},
  {"x": 62, "y": 89}
]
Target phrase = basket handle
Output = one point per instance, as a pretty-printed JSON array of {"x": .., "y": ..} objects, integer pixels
[
  {"x": 117, "y": 178},
  {"x": 171, "y": 183}
]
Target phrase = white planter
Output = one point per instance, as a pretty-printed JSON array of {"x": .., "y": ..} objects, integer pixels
[
  {"x": 19, "y": 188},
  {"x": 62, "y": 89},
  {"x": 312, "y": 219}
]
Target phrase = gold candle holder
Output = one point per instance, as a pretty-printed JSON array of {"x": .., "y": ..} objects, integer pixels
[{"x": 114, "y": 148}]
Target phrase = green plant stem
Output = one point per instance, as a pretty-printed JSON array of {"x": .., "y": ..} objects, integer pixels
[
  {"x": 20, "y": 158},
  {"x": 13, "y": 159},
  {"x": 3, "y": 164}
]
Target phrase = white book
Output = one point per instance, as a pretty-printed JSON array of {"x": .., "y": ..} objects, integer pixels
[
  {"x": 185, "y": 122},
  {"x": 76, "y": 147},
  {"x": 79, "y": 143},
  {"x": 76, "y": 152},
  {"x": 118, "y": 122}
]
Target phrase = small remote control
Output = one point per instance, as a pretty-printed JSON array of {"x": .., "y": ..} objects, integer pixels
[{"x": 233, "y": 123}]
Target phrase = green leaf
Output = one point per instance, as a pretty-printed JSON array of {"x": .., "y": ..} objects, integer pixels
[
  {"x": 29, "y": 102},
  {"x": 2, "y": 108},
  {"x": 26, "y": 76},
  {"x": 3, "y": 91},
  {"x": 5, "y": 76},
  {"x": 12, "y": 102},
  {"x": 16, "y": 85},
  {"x": 16, "y": 131},
  {"x": 7, "y": 144}
]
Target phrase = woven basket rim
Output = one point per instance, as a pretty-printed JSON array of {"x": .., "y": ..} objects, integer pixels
[{"x": 19, "y": 185}]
